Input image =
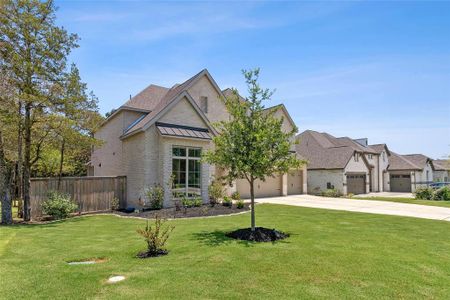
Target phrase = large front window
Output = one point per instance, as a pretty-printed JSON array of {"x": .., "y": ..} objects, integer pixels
[{"x": 186, "y": 172}]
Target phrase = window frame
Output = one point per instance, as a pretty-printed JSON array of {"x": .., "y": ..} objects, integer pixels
[{"x": 187, "y": 158}]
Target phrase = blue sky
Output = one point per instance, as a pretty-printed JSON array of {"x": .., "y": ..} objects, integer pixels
[{"x": 361, "y": 69}]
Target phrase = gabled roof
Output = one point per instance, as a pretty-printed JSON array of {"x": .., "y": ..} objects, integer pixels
[
  {"x": 324, "y": 151},
  {"x": 441, "y": 164},
  {"x": 380, "y": 148},
  {"x": 398, "y": 162},
  {"x": 283, "y": 108},
  {"x": 419, "y": 160},
  {"x": 167, "y": 101},
  {"x": 148, "y": 98}
]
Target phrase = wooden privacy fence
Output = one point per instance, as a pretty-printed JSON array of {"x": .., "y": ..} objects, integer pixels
[{"x": 90, "y": 193}]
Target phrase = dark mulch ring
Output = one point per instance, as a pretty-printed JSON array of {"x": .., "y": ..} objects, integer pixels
[
  {"x": 191, "y": 212},
  {"x": 260, "y": 234},
  {"x": 147, "y": 254}
]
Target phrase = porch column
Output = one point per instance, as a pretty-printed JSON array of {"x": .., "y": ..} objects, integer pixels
[
  {"x": 305, "y": 181},
  {"x": 284, "y": 184}
]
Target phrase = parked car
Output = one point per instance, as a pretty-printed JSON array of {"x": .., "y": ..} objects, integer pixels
[{"x": 438, "y": 185}]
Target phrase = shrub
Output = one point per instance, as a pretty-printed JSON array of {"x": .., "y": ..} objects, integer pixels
[
  {"x": 331, "y": 193},
  {"x": 240, "y": 204},
  {"x": 115, "y": 203},
  {"x": 58, "y": 205},
  {"x": 227, "y": 201},
  {"x": 424, "y": 193},
  {"x": 197, "y": 202},
  {"x": 154, "y": 196},
  {"x": 186, "y": 202},
  {"x": 350, "y": 195},
  {"x": 236, "y": 196},
  {"x": 442, "y": 194},
  {"x": 156, "y": 237},
  {"x": 215, "y": 191}
]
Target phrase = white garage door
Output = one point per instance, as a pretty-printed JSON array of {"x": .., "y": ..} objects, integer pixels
[{"x": 269, "y": 188}]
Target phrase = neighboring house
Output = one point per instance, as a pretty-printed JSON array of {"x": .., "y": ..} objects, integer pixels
[
  {"x": 350, "y": 166},
  {"x": 441, "y": 171},
  {"x": 409, "y": 172},
  {"x": 157, "y": 137}
]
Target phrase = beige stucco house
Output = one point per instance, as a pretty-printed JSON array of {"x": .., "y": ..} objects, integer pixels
[
  {"x": 441, "y": 171},
  {"x": 348, "y": 165},
  {"x": 409, "y": 172},
  {"x": 157, "y": 137}
]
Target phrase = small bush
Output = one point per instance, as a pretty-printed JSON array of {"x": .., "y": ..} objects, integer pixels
[
  {"x": 442, "y": 194},
  {"x": 58, "y": 205},
  {"x": 215, "y": 191},
  {"x": 350, "y": 195},
  {"x": 236, "y": 196},
  {"x": 186, "y": 202},
  {"x": 227, "y": 201},
  {"x": 197, "y": 202},
  {"x": 240, "y": 204},
  {"x": 424, "y": 193},
  {"x": 156, "y": 237},
  {"x": 154, "y": 196},
  {"x": 331, "y": 193},
  {"x": 115, "y": 203}
]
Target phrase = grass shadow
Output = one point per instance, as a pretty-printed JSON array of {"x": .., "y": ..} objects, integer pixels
[{"x": 217, "y": 238}]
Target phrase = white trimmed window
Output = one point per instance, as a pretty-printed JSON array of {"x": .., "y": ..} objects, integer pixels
[{"x": 186, "y": 172}]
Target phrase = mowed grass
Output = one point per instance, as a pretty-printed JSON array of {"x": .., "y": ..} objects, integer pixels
[
  {"x": 330, "y": 254},
  {"x": 407, "y": 200}
]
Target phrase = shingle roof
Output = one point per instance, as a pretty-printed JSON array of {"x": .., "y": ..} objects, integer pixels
[
  {"x": 183, "y": 131},
  {"x": 379, "y": 148},
  {"x": 323, "y": 151},
  {"x": 441, "y": 164},
  {"x": 399, "y": 162},
  {"x": 148, "y": 98},
  {"x": 168, "y": 97}
]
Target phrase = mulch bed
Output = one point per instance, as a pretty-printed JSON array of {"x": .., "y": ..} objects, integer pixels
[
  {"x": 147, "y": 254},
  {"x": 191, "y": 212},
  {"x": 260, "y": 234}
]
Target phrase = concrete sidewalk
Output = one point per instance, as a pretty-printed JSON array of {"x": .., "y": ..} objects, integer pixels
[{"x": 365, "y": 206}]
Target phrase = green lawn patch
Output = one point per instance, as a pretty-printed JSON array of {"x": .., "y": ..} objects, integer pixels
[
  {"x": 329, "y": 254},
  {"x": 406, "y": 200}
]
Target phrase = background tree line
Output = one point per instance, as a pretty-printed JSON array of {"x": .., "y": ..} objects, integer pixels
[{"x": 47, "y": 115}]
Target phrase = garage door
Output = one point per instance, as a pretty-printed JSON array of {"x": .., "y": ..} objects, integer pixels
[
  {"x": 269, "y": 188},
  {"x": 295, "y": 182},
  {"x": 356, "y": 184},
  {"x": 401, "y": 183}
]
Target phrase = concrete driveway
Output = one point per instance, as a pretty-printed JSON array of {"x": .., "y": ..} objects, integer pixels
[
  {"x": 386, "y": 194},
  {"x": 365, "y": 206}
]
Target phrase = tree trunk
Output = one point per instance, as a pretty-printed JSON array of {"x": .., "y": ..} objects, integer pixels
[
  {"x": 61, "y": 162},
  {"x": 5, "y": 174},
  {"x": 19, "y": 169},
  {"x": 27, "y": 164},
  {"x": 252, "y": 204}
]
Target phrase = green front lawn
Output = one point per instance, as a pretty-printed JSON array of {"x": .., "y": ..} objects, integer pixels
[
  {"x": 330, "y": 254},
  {"x": 406, "y": 200}
]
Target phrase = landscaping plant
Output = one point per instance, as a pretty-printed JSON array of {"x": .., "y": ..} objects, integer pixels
[
  {"x": 252, "y": 144},
  {"x": 236, "y": 196},
  {"x": 442, "y": 194},
  {"x": 240, "y": 204},
  {"x": 58, "y": 205},
  {"x": 154, "y": 196},
  {"x": 215, "y": 191},
  {"x": 155, "y": 236},
  {"x": 197, "y": 202},
  {"x": 334, "y": 193},
  {"x": 227, "y": 201},
  {"x": 424, "y": 193}
]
